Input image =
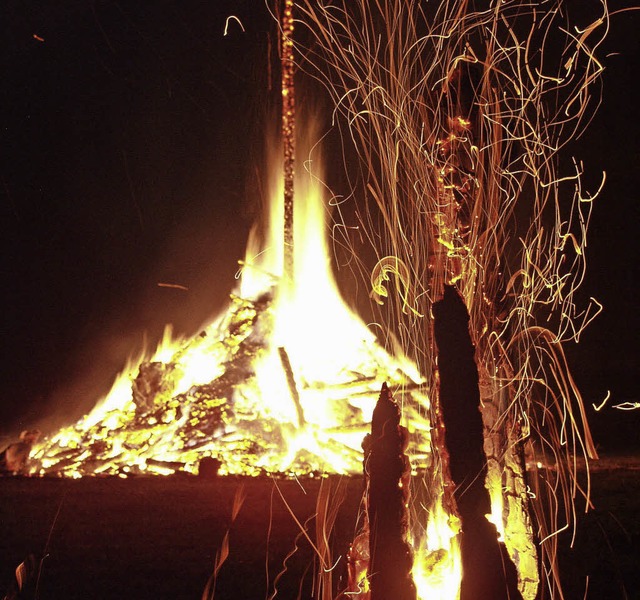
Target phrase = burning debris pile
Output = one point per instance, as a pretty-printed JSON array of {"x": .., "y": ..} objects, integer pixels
[
  {"x": 284, "y": 381},
  {"x": 163, "y": 428}
]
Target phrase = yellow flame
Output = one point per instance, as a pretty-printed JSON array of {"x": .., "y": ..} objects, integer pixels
[
  {"x": 437, "y": 566},
  {"x": 313, "y": 371}
]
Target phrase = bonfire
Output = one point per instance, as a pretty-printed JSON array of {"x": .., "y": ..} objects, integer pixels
[{"x": 453, "y": 120}]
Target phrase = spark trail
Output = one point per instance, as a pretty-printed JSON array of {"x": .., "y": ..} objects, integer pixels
[{"x": 455, "y": 119}]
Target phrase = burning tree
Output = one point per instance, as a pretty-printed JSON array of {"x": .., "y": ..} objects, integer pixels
[{"x": 458, "y": 114}]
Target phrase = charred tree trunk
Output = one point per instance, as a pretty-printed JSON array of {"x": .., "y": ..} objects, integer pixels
[
  {"x": 487, "y": 571},
  {"x": 386, "y": 466}
]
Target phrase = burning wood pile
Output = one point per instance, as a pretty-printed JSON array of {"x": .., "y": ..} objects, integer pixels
[
  {"x": 166, "y": 427},
  {"x": 284, "y": 381}
]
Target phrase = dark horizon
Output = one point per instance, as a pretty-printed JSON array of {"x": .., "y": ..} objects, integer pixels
[{"x": 135, "y": 145}]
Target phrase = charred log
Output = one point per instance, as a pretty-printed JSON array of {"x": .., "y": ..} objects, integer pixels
[
  {"x": 386, "y": 466},
  {"x": 150, "y": 381},
  {"x": 291, "y": 382},
  {"x": 488, "y": 572}
]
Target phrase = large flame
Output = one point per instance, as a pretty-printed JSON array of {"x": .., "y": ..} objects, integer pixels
[{"x": 284, "y": 380}]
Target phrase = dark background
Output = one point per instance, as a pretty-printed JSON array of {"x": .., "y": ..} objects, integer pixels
[{"x": 133, "y": 139}]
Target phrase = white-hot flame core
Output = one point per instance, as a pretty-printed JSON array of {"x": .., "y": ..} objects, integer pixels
[{"x": 325, "y": 341}]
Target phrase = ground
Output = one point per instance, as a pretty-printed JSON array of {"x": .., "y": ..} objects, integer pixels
[{"x": 156, "y": 538}]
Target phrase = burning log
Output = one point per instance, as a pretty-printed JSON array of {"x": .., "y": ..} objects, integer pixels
[
  {"x": 165, "y": 466},
  {"x": 15, "y": 457},
  {"x": 291, "y": 382},
  {"x": 387, "y": 469},
  {"x": 152, "y": 382},
  {"x": 488, "y": 572}
]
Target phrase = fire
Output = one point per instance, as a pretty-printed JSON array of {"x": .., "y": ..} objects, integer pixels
[
  {"x": 284, "y": 380},
  {"x": 462, "y": 188},
  {"x": 437, "y": 568}
]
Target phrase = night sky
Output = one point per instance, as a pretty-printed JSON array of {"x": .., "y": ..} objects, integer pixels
[{"x": 133, "y": 138}]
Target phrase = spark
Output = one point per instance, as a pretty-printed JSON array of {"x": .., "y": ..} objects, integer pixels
[
  {"x": 229, "y": 19},
  {"x": 333, "y": 566},
  {"x": 175, "y": 286},
  {"x": 627, "y": 405},
  {"x": 601, "y": 406}
]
